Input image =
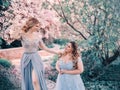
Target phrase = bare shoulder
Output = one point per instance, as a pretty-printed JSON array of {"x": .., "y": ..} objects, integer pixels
[
  {"x": 79, "y": 60},
  {"x": 58, "y": 62}
]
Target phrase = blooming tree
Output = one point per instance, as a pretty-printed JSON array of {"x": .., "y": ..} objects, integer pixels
[{"x": 23, "y": 9}]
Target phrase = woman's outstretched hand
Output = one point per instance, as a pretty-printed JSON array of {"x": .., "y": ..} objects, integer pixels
[{"x": 44, "y": 47}]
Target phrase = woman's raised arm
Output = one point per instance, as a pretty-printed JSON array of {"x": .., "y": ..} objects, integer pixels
[{"x": 44, "y": 47}]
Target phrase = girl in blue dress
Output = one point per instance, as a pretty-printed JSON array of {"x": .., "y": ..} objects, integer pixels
[
  {"x": 32, "y": 70},
  {"x": 70, "y": 67}
]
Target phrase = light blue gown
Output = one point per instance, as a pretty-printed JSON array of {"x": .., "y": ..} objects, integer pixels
[
  {"x": 31, "y": 60},
  {"x": 68, "y": 81}
]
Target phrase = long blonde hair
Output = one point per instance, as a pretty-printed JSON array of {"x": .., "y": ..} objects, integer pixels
[{"x": 29, "y": 24}]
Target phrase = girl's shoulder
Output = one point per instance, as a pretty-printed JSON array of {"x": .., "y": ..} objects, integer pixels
[
  {"x": 60, "y": 60},
  {"x": 79, "y": 59}
]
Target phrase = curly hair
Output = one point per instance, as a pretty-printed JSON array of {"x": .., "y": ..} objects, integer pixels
[
  {"x": 75, "y": 54},
  {"x": 29, "y": 24}
]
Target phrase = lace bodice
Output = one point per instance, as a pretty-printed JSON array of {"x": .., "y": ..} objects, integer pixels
[
  {"x": 30, "y": 45},
  {"x": 67, "y": 66}
]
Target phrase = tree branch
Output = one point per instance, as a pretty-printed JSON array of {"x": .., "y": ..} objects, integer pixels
[
  {"x": 70, "y": 23},
  {"x": 83, "y": 26}
]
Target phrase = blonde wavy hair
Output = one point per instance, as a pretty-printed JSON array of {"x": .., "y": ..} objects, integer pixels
[{"x": 29, "y": 24}]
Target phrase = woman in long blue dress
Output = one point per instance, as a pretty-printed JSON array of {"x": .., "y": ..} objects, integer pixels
[
  {"x": 70, "y": 67},
  {"x": 31, "y": 65}
]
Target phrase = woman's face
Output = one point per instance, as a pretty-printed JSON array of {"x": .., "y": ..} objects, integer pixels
[
  {"x": 68, "y": 48},
  {"x": 35, "y": 28}
]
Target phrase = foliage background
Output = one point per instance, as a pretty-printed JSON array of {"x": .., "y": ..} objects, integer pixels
[{"x": 94, "y": 24}]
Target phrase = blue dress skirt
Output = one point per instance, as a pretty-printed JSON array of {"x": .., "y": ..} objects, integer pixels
[
  {"x": 29, "y": 62},
  {"x": 68, "y": 81}
]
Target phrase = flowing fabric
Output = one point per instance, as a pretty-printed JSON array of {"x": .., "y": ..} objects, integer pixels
[{"x": 29, "y": 62}]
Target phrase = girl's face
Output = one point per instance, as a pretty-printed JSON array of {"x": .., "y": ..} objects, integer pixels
[
  {"x": 35, "y": 28},
  {"x": 68, "y": 48}
]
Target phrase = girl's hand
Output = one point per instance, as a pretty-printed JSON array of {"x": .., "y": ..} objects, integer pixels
[
  {"x": 59, "y": 71},
  {"x": 63, "y": 71}
]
